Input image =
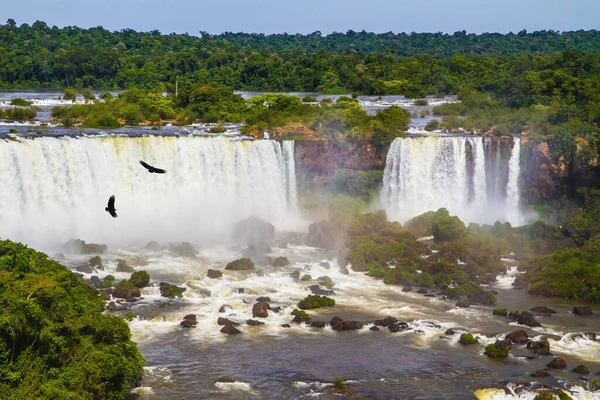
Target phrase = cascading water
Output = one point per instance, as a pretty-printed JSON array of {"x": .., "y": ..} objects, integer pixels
[
  {"x": 52, "y": 190},
  {"x": 427, "y": 173}
]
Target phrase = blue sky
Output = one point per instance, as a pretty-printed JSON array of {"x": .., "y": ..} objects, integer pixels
[{"x": 305, "y": 16}]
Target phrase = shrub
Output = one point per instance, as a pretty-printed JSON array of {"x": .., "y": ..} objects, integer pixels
[
  {"x": 70, "y": 94},
  {"x": 87, "y": 94},
  {"x": 421, "y": 102},
  {"x": 432, "y": 125},
  {"x": 18, "y": 101}
]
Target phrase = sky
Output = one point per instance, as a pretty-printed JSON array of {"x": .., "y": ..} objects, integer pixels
[{"x": 306, "y": 16}]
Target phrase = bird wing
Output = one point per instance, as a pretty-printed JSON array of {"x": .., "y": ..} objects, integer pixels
[
  {"x": 146, "y": 165},
  {"x": 159, "y": 171},
  {"x": 111, "y": 202},
  {"x": 113, "y": 213}
]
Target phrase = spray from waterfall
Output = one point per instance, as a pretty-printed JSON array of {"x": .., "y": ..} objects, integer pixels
[
  {"x": 427, "y": 173},
  {"x": 53, "y": 190}
]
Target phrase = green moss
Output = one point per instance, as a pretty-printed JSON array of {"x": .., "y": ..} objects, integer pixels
[
  {"x": 122, "y": 266},
  {"x": 20, "y": 102},
  {"x": 339, "y": 384},
  {"x": 140, "y": 279},
  {"x": 501, "y": 311},
  {"x": 315, "y": 301},
  {"x": 96, "y": 261},
  {"x": 280, "y": 262},
  {"x": 596, "y": 384},
  {"x": 544, "y": 396},
  {"x": 445, "y": 227},
  {"x": 242, "y": 264},
  {"x": 301, "y": 314},
  {"x": 296, "y": 274},
  {"x": 326, "y": 281},
  {"x": 375, "y": 271},
  {"x": 493, "y": 351},
  {"x": 467, "y": 338},
  {"x": 424, "y": 279},
  {"x": 306, "y": 277}
]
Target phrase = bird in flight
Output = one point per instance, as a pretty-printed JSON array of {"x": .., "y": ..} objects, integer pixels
[
  {"x": 111, "y": 207},
  {"x": 151, "y": 169}
]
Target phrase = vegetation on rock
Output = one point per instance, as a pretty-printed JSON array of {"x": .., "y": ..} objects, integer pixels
[{"x": 315, "y": 301}]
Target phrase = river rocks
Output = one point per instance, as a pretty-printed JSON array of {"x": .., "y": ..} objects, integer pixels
[
  {"x": 126, "y": 290},
  {"x": 386, "y": 321},
  {"x": 315, "y": 289},
  {"x": 140, "y": 279},
  {"x": 225, "y": 321},
  {"x": 122, "y": 266},
  {"x": 517, "y": 337},
  {"x": 374, "y": 328},
  {"x": 315, "y": 301},
  {"x": 78, "y": 246},
  {"x": 285, "y": 325},
  {"x": 86, "y": 268},
  {"x": 542, "y": 310},
  {"x": 230, "y": 330},
  {"x": 318, "y": 324},
  {"x": 397, "y": 327},
  {"x": 213, "y": 274},
  {"x": 449, "y": 332},
  {"x": 422, "y": 291},
  {"x": 59, "y": 257},
  {"x": 104, "y": 295},
  {"x": 112, "y": 306},
  {"x": 326, "y": 281},
  {"x": 463, "y": 303},
  {"x": 184, "y": 249},
  {"x": 224, "y": 308},
  {"x": 171, "y": 291},
  {"x": 540, "y": 373},
  {"x": 257, "y": 252},
  {"x": 260, "y": 310},
  {"x": 583, "y": 311},
  {"x": 96, "y": 261},
  {"x": 497, "y": 350},
  {"x": 253, "y": 230},
  {"x": 153, "y": 246},
  {"x": 322, "y": 234},
  {"x": 587, "y": 335},
  {"x": 189, "y": 321},
  {"x": 253, "y": 322},
  {"x": 539, "y": 347},
  {"x": 518, "y": 283},
  {"x": 500, "y": 311},
  {"x": 279, "y": 262},
  {"x": 527, "y": 319},
  {"x": 581, "y": 369},
  {"x": 557, "y": 363},
  {"x": 95, "y": 282},
  {"x": 338, "y": 324},
  {"x": 300, "y": 316},
  {"x": 242, "y": 264},
  {"x": 467, "y": 338},
  {"x": 407, "y": 289},
  {"x": 324, "y": 264}
]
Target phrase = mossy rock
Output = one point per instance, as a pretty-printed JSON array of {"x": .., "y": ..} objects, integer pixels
[
  {"x": 122, "y": 266},
  {"x": 280, "y": 262},
  {"x": 170, "y": 291},
  {"x": 596, "y": 384},
  {"x": 96, "y": 261},
  {"x": 108, "y": 281},
  {"x": 467, "y": 338},
  {"x": 300, "y": 315},
  {"x": 242, "y": 264},
  {"x": 375, "y": 271},
  {"x": 126, "y": 290},
  {"x": 184, "y": 249},
  {"x": 494, "y": 351},
  {"x": 315, "y": 301},
  {"x": 500, "y": 311},
  {"x": 326, "y": 281},
  {"x": 544, "y": 396},
  {"x": 306, "y": 277},
  {"x": 296, "y": 274},
  {"x": 140, "y": 279}
]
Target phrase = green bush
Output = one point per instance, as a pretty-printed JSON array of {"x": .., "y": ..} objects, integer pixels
[
  {"x": 446, "y": 228},
  {"x": 18, "y": 101},
  {"x": 315, "y": 301},
  {"x": 433, "y": 125},
  {"x": 301, "y": 314},
  {"x": 375, "y": 271},
  {"x": 70, "y": 94},
  {"x": 55, "y": 341},
  {"x": 421, "y": 102}
]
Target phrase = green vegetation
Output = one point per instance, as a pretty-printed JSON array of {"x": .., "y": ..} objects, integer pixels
[
  {"x": 19, "y": 113},
  {"x": 241, "y": 264},
  {"x": 315, "y": 301},
  {"x": 493, "y": 351},
  {"x": 302, "y": 315},
  {"x": 467, "y": 338},
  {"x": 70, "y": 94},
  {"x": 339, "y": 384},
  {"x": 140, "y": 279},
  {"x": 122, "y": 266},
  {"x": 96, "y": 261},
  {"x": 306, "y": 277},
  {"x": 20, "y": 102},
  {"x": 421, "y": 102},
  {"x": 55, "y": 342},
  {"x": 280, "y": 262},
  {"x": 361, "y": 184}
]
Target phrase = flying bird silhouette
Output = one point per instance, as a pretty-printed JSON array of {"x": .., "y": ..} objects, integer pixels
[
  {"x": 111, "y": 207},
  {"x": 151, "y": 169}
]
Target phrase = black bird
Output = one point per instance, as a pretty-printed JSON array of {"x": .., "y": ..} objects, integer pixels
[
  {"x": 111, "y": 207},
  {"x": 151, "y": 169}
]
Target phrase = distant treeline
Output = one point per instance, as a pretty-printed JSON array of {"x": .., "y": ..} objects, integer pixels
[{"x": 355, "y": 62}]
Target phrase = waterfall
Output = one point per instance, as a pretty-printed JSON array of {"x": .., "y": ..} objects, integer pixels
[
  {"x": 512, "y": 188},
  {"x": 52, "y": 190},
  {"x": 427, "y": 173}
]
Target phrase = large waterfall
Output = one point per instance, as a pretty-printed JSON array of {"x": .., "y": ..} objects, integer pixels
[
  {"x": 52, "y": 190},
  {"x": 468, "y": 176}
]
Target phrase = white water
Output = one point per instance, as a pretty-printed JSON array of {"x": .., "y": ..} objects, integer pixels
[
  {"x": 427, "y": 173},
  {"x": 52, "y": 190}
]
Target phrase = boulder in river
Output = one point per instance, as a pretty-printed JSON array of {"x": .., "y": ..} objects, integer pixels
[
  {"x": 540, "y": 373},
  {"x": 463, "y": 303},
  {"x": 242, "y": 264},
  {"x": 467, "y": 338},
  {"x": 581, "y": 369},
  {"x": 153, "y": 246},
  {"x": 224, "y": 308},
  {"x": 316, "y": 289},
  {"x": 557, "y": 363},
  {"x": 260, "y": 310},
  {"x": 397, "y": 327},
  {"x": 407, "y": 289},
  {"x": 338, "y": 324},
  {"x": 322, "y": 234},
  {"x": 527, "y": 319},
  {"x": 540, "y": 347},
  {"x": 213, "y": 274},
  {"x": 542, "y": 310},
  {"x": 253, "y": 322},
  {"x": 500, "y": 311},
  {"x": 140, "y": 279},
  {"x": 517, "y": 337},
  {"x": 126, "y": 290},
  {"x": 183, "y": 249},
  {"x": 122, "y": 266},
  {"x": 583, "y": 311},
  {"x": 387, "y": 321},
  {"x": 189, "y": 321},
  {"x": 253, "y": 230},
  {"x": 230, "y": 330},
  {"x": 171, "y": 291},
  {"x": 497, "y": 350},
  {"x": 318, "y": 324}
]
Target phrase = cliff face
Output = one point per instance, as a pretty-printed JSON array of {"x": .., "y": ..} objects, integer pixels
[{"x": 316, "y": 160}]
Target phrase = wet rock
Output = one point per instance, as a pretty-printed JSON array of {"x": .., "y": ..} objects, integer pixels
[
  {"x": 387, "y": 321},
  {"x": 126, "y": 290},
  {"x": 258, "y": 252},
  {"x": 253, "y": 322},
  {"x": 407, "y": 289},
  {"x": 59, "y": 257},
  {"x": 315, "y": 289},
  {"x": 542, "y": 310},
  {"x": 213, "y": 274},
  {"x": 189, "y": 321},
  {"x": 263, "y": 299},
  {"x": 171, "y": 291},
  {"x": 463, "y": 303},
  {"x": 275, "y": 309},
  {"x": 242, "y": 264},
  {"x": 513, "y": 315},
  {"x": 539, "y": 347},
  {"x": 394, "y": 328},
  {"x": 230, "y": 330},
  {"x": 500, "y": 349},
  {"x": 253, "y": 230},
  {"x": 224, "y": 308},
  {"x": 279, "y": 262},
  {"x": 140, "y": 279},
  {"x": 518, "y": 283},
  {"x": 467, "y": 338},
  {"x": 517, "y": 337},
  {"x": 105, "y": 295},
  {"x": 153, "y": 246},
  {"x": 318, "y": 324},
  {"x": 322, "y": 234},
  {"x": 540, "y": 373},
  {"x": 260, "y": 310},
  {"x": 285, "y": 326},
  {"x": 96, "y": 282},
  {"x": 374, "y": 328},
  {"x": 557, "y": 363},
  {"x": 583, "y": 311},
  {"x": 183, "y": 249},
  {"x": 581, "y": 369},
  {"x": 422, "y": 291},
  {"x": 78, "y": 246},
  {"x": 86, "y": 268},
  {"x": 122, "y": 266},
  {"x": 500, "y": 311},
  {"x": 587, "y": 335},
  {"x": 449, "y": 332},
  {"x": 239, "y": 290},
  {"x": 337, "y": 324},
  {"x": 525, "y": 319},
  {"x": 324, "y": 264},
  {"x": 344, "y": 270},
  {"x": 112, "y": 306},
  {"x": 226, "y": 321}
]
